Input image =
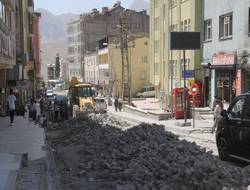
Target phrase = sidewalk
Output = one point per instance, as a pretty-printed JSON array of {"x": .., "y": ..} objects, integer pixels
[
  {"x": 201, "y": 126},
  {"x": 24, "y": 138}
]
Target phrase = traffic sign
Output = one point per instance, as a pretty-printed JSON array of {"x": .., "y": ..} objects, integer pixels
[{"x": 194, "y": 89}]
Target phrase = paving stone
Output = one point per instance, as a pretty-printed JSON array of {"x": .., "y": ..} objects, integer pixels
[{"x": 142, "y": 157}]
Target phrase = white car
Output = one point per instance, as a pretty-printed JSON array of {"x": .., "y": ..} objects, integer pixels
[
  {"x": 100, "y": 104},
  {"x": 146, "y": 92},
  {"x": 49, "y": 93}
]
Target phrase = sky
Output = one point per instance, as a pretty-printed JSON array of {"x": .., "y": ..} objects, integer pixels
[{"x": 76, "y": 6}]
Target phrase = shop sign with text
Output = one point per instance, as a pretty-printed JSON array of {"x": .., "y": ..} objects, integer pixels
[{"x": 223, "y": 59}]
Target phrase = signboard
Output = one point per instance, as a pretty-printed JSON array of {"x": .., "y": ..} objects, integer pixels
[
  {"x": 184, "y": 40},
  {"x": 23, "y": 85},
  {"x": 238, "y": 82},
  {"x": 188, "y": 74},
  {"x": 194, "y": 89},
  {"x": 223, "y": 59}
]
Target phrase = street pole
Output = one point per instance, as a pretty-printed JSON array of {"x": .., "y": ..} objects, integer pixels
[{"x": 185, "y": 92}]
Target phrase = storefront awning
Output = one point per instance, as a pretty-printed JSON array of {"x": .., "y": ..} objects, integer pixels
[{"x": 227, "y": 67}]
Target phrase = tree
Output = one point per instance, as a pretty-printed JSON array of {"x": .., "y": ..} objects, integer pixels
[{"x": 58, "y": 66}]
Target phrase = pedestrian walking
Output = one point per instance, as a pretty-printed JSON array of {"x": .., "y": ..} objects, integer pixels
[
  {"x": 11, "y": 100},
  {"x": 32, "y": 110},
  {"x": 37, "y": 112},
  {"x": 116, "y": 104},
  {"x": 120, "y": 106},
  {"x": 214, "y": 103},
  {"x": 217, "y": 114}
]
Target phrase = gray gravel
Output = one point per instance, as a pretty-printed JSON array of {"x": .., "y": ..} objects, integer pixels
[{"x": 92, "y": 152}]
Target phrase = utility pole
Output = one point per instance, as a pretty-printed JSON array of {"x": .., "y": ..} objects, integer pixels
[{"x": 125, "y": 83}]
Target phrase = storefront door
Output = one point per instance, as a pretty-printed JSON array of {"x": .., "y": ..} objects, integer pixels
[{"x": 225, "y": 86}]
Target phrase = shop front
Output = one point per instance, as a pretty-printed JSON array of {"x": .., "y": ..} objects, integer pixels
[
  {"x": 223, "y": 83},
  {"x": 243, "y": 76}
]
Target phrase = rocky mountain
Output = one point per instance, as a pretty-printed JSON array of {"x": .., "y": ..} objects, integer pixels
[
  {"x": 53, "y": 37},
  {"x": 139, "y": 5},
  {"x": 53, "y": 27}
]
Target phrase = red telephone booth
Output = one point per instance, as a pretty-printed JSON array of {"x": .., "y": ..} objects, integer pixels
[{"x": 179, "y": 103}]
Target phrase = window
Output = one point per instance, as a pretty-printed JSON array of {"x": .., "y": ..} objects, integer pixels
[
  {"x": 189, "y": 25},
  {"x": 185, "y": 25},
  {"x": 226, "y": 26},
  {"x": 236, "y": 111},
  {"x": 249, "y": 20},
  {"x": 187, "y": 64},
  {"x": 173, "y": 70},
  {"x": 142, "y": 75},
  {"x": 144, "y": 59},
  {"x": 208, "y": 30},
  {"x": 173, "y": 3},
  {"x": 157, "y": 3},
  {"x": 157, "y": 46},
  {"x": 157, "y": 68},
  {"x": 182, "y": 26},
  {"x": 1, "y": 11},
  {"x": 71, "y": 50},
  {"x": 173, "y": 28},
  {"x": 156, "y": 24}
]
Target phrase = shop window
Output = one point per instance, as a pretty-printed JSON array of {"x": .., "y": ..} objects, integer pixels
[
  {"x": 226, "y": 26},
  {"x": 208, "y": 30}
]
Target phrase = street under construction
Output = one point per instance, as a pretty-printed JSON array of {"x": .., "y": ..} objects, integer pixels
[{"x": 101, "y": 152}]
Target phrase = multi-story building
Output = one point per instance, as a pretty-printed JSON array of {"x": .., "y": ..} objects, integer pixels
[
  {"x": 166, "y": 67},
  {"x": 110, "y": 66},
  {"x": 7, "y": 46},
  {"x": 21, "y": 76},
  {"x": 74, "y": 49},
  {"x": 51, "y": 71},
  {"x": 139, "y": 74},
  {"x": 91, "y": 68},
  {"x": 37, "y": 50},
  {"x": 226, "y": 48},
  {"x": 99, "y": 24}
]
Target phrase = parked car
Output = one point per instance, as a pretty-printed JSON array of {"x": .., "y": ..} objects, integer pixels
[
  {"x": 49, "y": 93},
  {"x": 61, "y": 98},
  {"x": 100, "y": 105},
  {"x": 233, "y": 132},
  {"x": 146, "y": 92}
]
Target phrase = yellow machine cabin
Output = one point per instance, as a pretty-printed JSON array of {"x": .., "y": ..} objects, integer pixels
[{"x": 80, "y": 95}]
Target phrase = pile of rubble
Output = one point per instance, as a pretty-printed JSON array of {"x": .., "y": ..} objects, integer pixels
[{"x": 97, "y": 156}]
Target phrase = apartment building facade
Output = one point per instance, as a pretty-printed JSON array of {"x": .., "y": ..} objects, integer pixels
[
  {"x": 96, "y": 25},
  {"x": 226, "y": 48},
  {"x": 91, "y": 68},
  {"x": 74, "y": 50},
  {"x": 8, "y": 45},
  {"x": 166, "y": 67}
]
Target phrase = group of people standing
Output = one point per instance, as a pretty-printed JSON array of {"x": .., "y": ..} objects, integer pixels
[{"x": 33, "y": 108}]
